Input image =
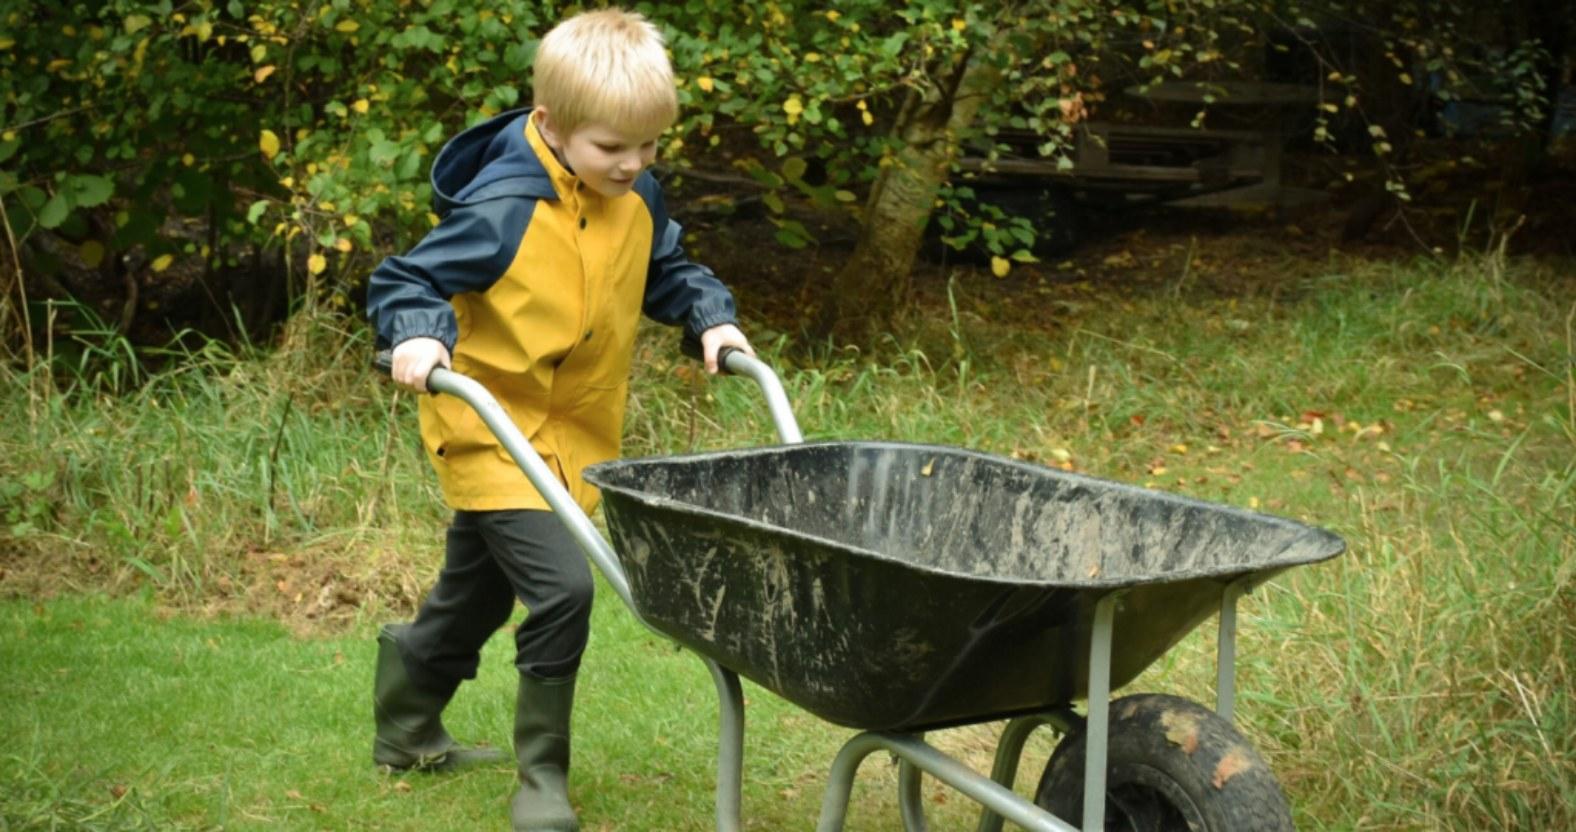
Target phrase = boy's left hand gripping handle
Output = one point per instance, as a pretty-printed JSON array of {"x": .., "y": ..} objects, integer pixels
[{"x": 383, "y": 362}]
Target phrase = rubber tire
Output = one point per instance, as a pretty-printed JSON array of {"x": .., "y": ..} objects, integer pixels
[{"x": 1164, "y": 756}]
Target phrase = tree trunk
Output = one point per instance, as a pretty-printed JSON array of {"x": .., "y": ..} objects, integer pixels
[{"x": 874, "y": 285}]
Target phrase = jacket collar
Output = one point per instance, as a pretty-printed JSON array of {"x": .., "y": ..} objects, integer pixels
[{"x": 565, "y": 182}]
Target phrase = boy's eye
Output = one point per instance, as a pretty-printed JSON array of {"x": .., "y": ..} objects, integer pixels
[{"x": 607, "y": 148}]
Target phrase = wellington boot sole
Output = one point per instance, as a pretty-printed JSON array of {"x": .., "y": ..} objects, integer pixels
[{"x": 455, "y": 759}]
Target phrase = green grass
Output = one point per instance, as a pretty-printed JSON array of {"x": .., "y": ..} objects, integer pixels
[
  {"x": 1421, "y": 681},
  {"x": 121, "y": 717}
]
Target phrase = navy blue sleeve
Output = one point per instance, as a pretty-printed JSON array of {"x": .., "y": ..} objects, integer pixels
[
  {"x": 677, "y": 290},
  {"x": 472, "y": 246}
]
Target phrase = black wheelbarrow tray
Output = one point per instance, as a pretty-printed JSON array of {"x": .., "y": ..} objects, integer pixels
[{"x": 899, "y": 588}]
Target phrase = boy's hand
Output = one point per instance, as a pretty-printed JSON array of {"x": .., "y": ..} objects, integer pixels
[
  {"x": 713, "y": 340},
  {"x": 415, "y": 358}
]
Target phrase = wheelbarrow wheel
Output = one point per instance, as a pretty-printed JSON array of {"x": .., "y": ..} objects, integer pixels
[{"x": 1172, "y": 766}]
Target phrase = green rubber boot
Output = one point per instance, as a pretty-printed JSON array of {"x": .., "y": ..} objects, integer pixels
[
  {"x": 410, "y": 734},
  {"x": 541, "y": 744}
]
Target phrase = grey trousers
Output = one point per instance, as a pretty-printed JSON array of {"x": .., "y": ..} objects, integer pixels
[{"x": 492, "y": 558}]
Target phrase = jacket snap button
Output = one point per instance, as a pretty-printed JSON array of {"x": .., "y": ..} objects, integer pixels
[{"x": 582, "y": 222}]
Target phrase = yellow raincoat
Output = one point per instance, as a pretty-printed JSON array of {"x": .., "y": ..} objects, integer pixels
[{"x": 536, "y": 285}]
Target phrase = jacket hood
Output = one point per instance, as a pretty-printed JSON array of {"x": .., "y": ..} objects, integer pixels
[{"x": 489, "y": 161}]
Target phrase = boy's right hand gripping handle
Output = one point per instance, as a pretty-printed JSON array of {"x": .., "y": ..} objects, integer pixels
[{"x": 544, "y": 479}]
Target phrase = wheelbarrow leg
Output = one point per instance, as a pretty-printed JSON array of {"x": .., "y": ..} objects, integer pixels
[
  {"x": 730, "y": 746},
  {"x": 923, "y": 756},
  {"x": 1226, "y": 649},
  {"x": 910, "y": 801},
  {"x": 1099, "y": 720},
  {"x": 1009, "y": 752}
]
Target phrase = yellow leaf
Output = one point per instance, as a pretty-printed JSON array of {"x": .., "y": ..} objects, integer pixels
[
  {"x": 343, "y": 244},
  {"x": 833, "y": 15},
  {"x": 7, "y": 43},
  {"x": 705, "y": 84},
  {"x": 867, "y": 118},
  {"x": 360, "y": 105},
  {"x": 262, "y": 73},
  {"x": 316, "y": 264},
  {"x": 268, "y": 142},
  {"x": 162, "y": 262},
  {"x": 999, "y": 266},
  {"x": 188, "y": 160},
  {"x": 92, "y": 253},
  {"x": 793, "y": 106},
  {"x": 959, "y": 24},
  {"x": 351, "y": 220},
  {"x": 259, "y": 52},
  {"x": 347, "y": 26}
]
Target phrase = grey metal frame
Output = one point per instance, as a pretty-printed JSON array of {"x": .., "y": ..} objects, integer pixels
[{"x": 916, "y": 756}]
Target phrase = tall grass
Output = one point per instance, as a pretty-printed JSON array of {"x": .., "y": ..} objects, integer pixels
[{"x": 1422, "y": 411}]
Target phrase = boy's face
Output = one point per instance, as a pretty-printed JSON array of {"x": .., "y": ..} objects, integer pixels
[{"x": 607, "y": 160}]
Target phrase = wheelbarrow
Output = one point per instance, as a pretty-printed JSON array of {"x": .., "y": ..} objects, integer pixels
[{"x": 899, "y": 588}]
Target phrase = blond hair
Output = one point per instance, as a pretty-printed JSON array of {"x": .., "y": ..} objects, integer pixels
[{"x": 609, "y": 67}]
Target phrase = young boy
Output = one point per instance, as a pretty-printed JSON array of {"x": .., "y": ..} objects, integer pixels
[{"x": 552, "y": 242}]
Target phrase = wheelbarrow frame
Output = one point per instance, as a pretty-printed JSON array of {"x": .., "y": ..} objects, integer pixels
[{"x": 916, "y": 756}]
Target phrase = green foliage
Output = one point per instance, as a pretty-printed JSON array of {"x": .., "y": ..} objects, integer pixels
[
  {"x": 130, "y": 123},
  {"x": 839, "y": 86},
  {"x": 183, "y": 134},
  {"x": 26, "y": 503}
]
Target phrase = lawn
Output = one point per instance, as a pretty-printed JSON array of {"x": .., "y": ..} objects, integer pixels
[{"x": 197, "y": 554}]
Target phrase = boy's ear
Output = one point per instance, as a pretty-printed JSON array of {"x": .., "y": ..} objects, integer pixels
[{"x": 544, "y": 124}]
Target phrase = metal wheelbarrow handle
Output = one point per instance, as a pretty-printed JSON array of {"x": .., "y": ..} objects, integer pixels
[{"x": 580, "y": 527}]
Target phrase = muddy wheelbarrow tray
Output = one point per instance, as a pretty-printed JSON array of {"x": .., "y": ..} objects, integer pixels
[{"x": 897, "y": 588}]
